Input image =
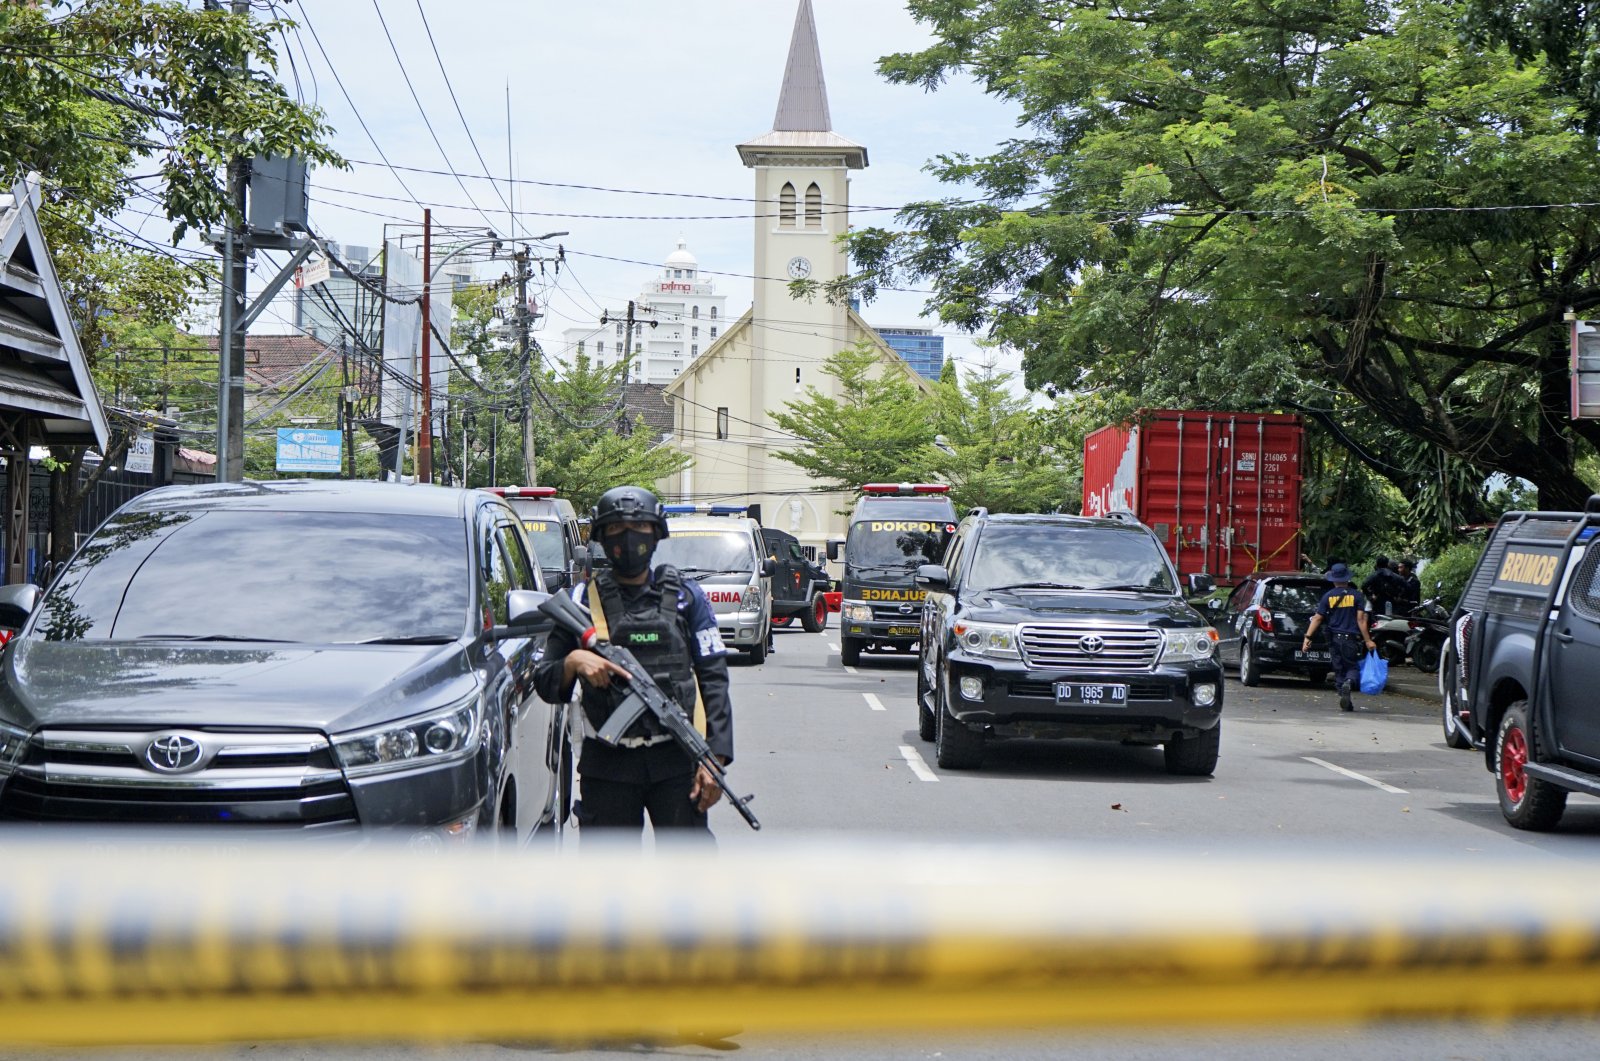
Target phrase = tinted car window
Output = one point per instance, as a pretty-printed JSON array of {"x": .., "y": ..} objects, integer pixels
[
  {"x": 314, "y": 577},
  {"x": 522, "y": 576},
  {"x": 1294, "y": 596},
  {"x": 707, "y": 550},
  {"x": 1079, "y": 557}
]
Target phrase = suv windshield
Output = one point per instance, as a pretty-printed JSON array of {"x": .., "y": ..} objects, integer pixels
[
  {"x": 314, "y": 577},
  {"x": 894, "y": 545},
  {"x": 1074, "y": 557},
  {"x": 707, "y": 550}
]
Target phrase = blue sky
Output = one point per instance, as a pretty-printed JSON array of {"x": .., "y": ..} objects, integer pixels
[{"x": 614, "y": 94}]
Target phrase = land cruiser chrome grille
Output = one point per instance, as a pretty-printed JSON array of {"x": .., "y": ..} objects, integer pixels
[
  {"x": 1089, "y": 646},
  {"x": 178, "y": 775}
]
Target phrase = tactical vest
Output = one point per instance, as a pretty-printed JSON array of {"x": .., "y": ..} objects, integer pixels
[{"x": 651, "y": 627}]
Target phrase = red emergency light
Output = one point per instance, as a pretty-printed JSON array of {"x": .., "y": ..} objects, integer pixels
[
  {"x": 905, "y": 489},
  {"x": 523, "y": 491}
]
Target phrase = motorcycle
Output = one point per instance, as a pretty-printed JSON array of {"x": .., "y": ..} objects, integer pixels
[
  {"x": 1390, "y": 633},
  {"x": 1430, "y": 628}
]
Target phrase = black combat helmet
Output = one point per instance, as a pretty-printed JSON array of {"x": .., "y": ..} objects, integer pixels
[{"x": 623, "y": 503}]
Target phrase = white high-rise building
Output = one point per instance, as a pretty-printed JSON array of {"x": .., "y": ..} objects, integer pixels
[{"x": 688, "y": 313}]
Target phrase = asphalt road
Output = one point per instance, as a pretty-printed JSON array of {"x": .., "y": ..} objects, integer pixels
[{"x": 833, "y": 752}]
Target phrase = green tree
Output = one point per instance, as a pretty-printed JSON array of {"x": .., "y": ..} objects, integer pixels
[
  {"x": 879, "y": 429},
  {"x": 96, "y": 91},
  {"x": 1268, "y": 205},
  {"x": 993, "y": 449}
]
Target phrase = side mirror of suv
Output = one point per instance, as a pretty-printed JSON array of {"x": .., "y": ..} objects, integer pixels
[
  {"x": 524, "y": 619},
  {"x": 769, "y": 567},
  {"x": 556, "y": 579},
  {"x": 835, "y": 548},
  {"x": 17, "y": 603},
  {"x": 1200, "y": 584},
  {"x": 933, "y": 577}
]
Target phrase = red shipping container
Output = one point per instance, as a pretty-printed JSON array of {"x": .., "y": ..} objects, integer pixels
[{"x": 1221, "y": 490}]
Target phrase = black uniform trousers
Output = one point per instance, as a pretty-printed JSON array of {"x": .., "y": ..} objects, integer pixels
[
  {"x": 1346, "y": 652},
  {"x": 618, "y": 786}
]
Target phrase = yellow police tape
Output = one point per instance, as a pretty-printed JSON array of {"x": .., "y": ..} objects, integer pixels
[{"x": 106, "y": 943}]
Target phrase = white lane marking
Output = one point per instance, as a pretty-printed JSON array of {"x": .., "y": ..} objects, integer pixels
[
  {"x": 913, "y": 759},
  {"x": 1363, "y": 778},
  {"x": 873, "y": 702},
  {"x": 833, "y": 646},
  {"x": 851, "y": 670}
]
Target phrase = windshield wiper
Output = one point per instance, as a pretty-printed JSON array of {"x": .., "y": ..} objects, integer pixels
[
  {"x": 1143, "y": 587},
  {"x": 1034, "y": 585},
  {"x": 213, "y": 637},
  {"x": 893, "y": 569},
  {"x": 412, "y": 639}
]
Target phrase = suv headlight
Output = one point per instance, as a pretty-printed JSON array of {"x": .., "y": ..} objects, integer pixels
[
  {"x": 751, "y": 601},
  {"x": 857, "y": 613},
  {"x": 12, "y": 741},
  {"x": 1188, "y": 645},
  {"x": 987, "y": 639},
  {"x": 438, "y": 737}
]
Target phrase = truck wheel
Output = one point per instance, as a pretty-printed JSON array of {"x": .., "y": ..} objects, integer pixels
[
  {"x": 815, "y": 617},
  {"x": 1194, "y": 756},
  {"x": 955, "y": 746},
  {"x": 781, "y": 621},
  {"x": 925, "y": 721},
  {"x": 1249, "y": 669},
  {"x": 1527, "y": 802},
  {"x": 1455, "y": 734},
  {"x": 850, "y": 651},
  {"x": 758, "y": 651}
]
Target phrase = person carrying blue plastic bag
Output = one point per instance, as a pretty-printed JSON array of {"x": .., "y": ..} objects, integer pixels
[{"x": 1344, "y": 609}]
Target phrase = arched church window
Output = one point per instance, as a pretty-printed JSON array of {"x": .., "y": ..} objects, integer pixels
[
  {"x": 813, "y": 207},
  {"x": 786, "y": 207}
]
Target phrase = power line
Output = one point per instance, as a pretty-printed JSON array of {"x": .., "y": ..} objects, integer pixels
[
  {"x": 406, "y": 76},
  {"x": 459, "y": 114},
  {"x": 353, "y": 109}
]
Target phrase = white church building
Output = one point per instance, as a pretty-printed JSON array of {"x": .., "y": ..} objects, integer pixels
[{"x": 722, "y": 399}]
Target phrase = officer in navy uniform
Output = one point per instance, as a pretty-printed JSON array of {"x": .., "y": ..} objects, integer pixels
[
  {"x": 1344, "y": 609},
  {"x": 668, "y": 624}
]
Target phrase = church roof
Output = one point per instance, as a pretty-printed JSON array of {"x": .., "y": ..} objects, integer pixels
[{"x": 802, "y": 121}]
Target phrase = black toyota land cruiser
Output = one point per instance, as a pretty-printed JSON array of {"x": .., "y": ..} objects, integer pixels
[{"x": 1060, "y": 627}]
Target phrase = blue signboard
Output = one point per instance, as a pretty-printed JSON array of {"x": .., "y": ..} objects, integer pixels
[{"x": 300, "y": 450}]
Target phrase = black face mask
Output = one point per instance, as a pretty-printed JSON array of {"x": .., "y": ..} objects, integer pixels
[{"x": 630, "y": 552}]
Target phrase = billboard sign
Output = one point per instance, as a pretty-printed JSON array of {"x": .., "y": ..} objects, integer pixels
[{"x": 301, "y": 450}]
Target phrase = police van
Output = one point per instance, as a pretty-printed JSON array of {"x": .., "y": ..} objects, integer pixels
[
  {"x": 720, "y": 547},
  {"x": 894, "y": 529},
  {"x": 551, "y": 522}
]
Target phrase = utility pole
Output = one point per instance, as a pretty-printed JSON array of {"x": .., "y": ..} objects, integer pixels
[
  {"x": 631, "y": 323},
  {"x": 425, "y": 436},
  {"x": 231, "y": 323},
  {"x": 530, "y": 474}
]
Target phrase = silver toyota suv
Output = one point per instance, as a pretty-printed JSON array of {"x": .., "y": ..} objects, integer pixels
[{"x": 720, "y": 547}]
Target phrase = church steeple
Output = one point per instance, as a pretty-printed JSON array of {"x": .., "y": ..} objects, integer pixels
[
  {"x": 803, "y": 102},
  {"x": 803, "y": 122}
]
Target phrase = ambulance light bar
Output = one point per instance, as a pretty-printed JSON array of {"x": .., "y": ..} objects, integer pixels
[
  {"x": 905, "y": 489},
  {"x": 522, "y": 491},
  {"x": 706, "y": 510}
]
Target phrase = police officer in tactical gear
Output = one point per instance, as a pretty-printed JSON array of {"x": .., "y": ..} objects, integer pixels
[{"x": 669, "y": 625}]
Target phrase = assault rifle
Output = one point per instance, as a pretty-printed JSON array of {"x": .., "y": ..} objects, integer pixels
[{"x": 643, "y": 695}]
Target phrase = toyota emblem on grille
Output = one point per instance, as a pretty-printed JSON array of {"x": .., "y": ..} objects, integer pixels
[
  {"x": 1091, "y": 644},
  {"x": 907, "y": 609},
  {"x": 173, "y": 753}
]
